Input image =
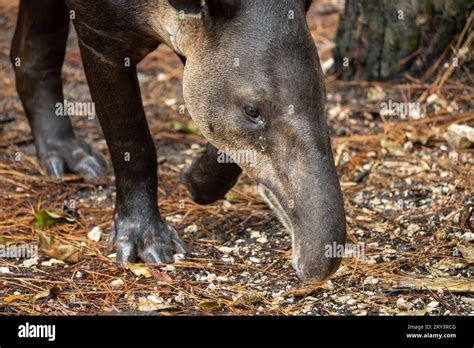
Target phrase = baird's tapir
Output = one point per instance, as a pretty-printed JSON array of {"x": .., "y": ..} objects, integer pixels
[{"x": 252, "y": 82}]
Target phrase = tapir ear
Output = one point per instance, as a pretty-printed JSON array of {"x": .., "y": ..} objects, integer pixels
[{"x": 188, "y": 7}]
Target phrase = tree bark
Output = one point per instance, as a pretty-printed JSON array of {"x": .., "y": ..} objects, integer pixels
[{"x": 380, "y": 39}]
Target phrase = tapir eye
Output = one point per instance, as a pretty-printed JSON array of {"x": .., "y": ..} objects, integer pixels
[{"x": 252, "y": 111}]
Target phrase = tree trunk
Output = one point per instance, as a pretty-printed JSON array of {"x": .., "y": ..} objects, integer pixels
[{"x": 380, "y": 39}]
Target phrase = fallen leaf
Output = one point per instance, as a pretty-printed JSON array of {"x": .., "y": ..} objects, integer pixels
[
  {"x": 435, "y": 271},
  {"x": 394, "y": 148},
  {"x": 45, "y": 293},
  {"x": 16, "y": 297},
  {"x": 147, "y": 305},
  {"x": 249, "y": 298},
  {"x": 138, "y": 269},
  {"x": 187, "y": 129},
  {"x": 51, "y": 247},
  {"x": 450, "y": 264},
  {"x": 454, "y": 285},
  {"x": 44, "y": 219},
  {"x": 467, "y": 252},
  {"x": 6, "y": 240},
  {"x": 210, "y": 306}
]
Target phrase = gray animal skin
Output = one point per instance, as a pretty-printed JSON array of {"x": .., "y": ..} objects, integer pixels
[{"x": 252, "y": 83}]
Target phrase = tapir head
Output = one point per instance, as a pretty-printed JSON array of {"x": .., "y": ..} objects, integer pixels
[{"x": 254, "y": 86}]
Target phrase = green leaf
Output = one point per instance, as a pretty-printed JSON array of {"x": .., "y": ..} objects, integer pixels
[
  {"x": 211, "y": 306},
  {"x": 45, "y": 293},
  {"x": 45, "y": 219},
  {"x": 231, "y": 197},
  {"x": 392, "y": 147},
  {"x": 6, "y": 240},
  {"x": 187, "y": 129},
  {"x": 434, "y": 271}
]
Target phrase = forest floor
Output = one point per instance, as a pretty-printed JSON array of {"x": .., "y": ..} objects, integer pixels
[{"x": 408, "y": 198}]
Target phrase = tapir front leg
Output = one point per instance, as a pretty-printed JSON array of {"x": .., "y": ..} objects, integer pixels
[
  {"x": 37, "y": 53},
  {"x": 139, "y": 232}
]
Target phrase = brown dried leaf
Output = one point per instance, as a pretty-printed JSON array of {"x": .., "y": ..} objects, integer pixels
[
  {"x": 51, "y": 247},
  {"x": 146, "y": 305},
  {"x": 451, "y": 264},
  {"x": 467, "y": 251},
  {"x": 455, "y": 285},
  {"x": 12, "y": 298},
  {"x": 138, "y": 269},
  {"x": 249, "y": 298}
]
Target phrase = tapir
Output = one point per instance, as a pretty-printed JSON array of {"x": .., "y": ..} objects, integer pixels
[{"x": 252, "y": 82}]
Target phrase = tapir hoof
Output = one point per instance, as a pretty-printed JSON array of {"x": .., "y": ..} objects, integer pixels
[
  {"x": 72, "y": 155},
  {"x": 144, "y": 241}
]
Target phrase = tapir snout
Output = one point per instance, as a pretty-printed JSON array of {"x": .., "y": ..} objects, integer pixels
[{"x": 302, "y": 186}]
